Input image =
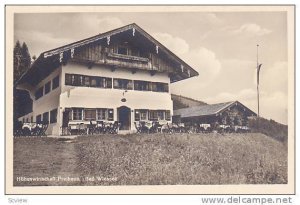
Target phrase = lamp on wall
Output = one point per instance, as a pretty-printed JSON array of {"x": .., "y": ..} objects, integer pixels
[{"x": 124, "y": 99}]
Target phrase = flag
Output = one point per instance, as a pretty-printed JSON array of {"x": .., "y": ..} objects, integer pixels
[{"x": 258, "y": 69}]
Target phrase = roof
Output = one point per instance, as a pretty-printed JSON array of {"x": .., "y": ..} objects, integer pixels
[
  {"x": 206, "y": 110},
  {"x": 52, "y": 56}
]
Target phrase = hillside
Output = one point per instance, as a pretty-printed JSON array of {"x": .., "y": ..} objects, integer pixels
[
  {"x": 153, "y": 159},
  {"x": 270, "y": 128},
  {"x": 183, "y": 102}
]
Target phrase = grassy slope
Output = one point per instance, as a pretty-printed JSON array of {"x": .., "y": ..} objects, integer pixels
[{"x": 154, "y": 159}]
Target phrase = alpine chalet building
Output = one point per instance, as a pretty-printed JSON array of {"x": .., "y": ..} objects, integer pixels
[{"x": 122, "y": 75}]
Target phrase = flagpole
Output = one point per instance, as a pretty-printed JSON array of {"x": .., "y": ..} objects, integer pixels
[{"x": 257, "y": 71}]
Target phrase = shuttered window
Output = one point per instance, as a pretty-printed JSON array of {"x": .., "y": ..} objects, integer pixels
[{"x": 53, "y": 116}]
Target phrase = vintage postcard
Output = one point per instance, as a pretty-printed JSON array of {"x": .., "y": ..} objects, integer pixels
[{"x": 150, "y": 99}]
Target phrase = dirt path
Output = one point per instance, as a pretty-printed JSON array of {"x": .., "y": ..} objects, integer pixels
[{"x": 67, "y": 174}]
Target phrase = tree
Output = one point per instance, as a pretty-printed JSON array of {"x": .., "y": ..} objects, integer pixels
[
  {"x": 17, "y": 61},
  {"x": 22, "y": 61},
  {"x": 26, "y": 59}
]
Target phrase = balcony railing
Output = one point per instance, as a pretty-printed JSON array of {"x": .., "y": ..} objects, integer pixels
[{"x": 127, "y": 57}]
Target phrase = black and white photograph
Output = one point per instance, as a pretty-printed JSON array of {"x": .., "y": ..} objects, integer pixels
[{"x": 177, "y": 97}]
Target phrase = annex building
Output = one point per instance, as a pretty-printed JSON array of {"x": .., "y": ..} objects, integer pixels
[{"x": 231, "y": 113}]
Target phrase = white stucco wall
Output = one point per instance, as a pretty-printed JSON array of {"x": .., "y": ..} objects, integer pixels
[
  {"x": 47, "y": 102},
  {"x": 89, "y": 97}
]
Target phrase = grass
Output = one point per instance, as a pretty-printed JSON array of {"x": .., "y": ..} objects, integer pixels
[{"x": 153, "y": 159}]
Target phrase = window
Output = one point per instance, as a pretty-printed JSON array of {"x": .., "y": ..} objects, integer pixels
[
  {"x": 80, "y": 80},
  {"x": 137, "y": 115},
  {"x": 123, "y": 84},
  {"x": 142, "y": 85},
  {"x": 71, "y": 79},
  {"x": 47, "y": 87},
  {"x": 153, "y": 115},
  {"x": 77, "y": 113},
  {"x": 90, "y": 114},
  {"x": 46, "y": 117},
  {"x": 55, "y": 82},
  {"x": 104, "y": 82},
  {"x": 110, "y": 115},
  {"x": 39, "y": 93},
  {"x": 93, "y": 82},
  {"x": 53, "y": 116},
  {"x": 168, "y": 115},
  {"x": 160, "y": 87},
  {"x": 74, "y": 79},
  {"x": 153, "y": 87},
  {"x": 38, "y": 118},
  {"x": 141, "y": 115},
  {"x": 87, "y": 81},
  {"x": 68, "y": 79},
  {"x": 108, "y": 83},
  {"x": 105, "y": 114},
  {"x": 101, "y": 114},
  {"x": 160, "y": 115},
  {"x": 31, "y": 119}
]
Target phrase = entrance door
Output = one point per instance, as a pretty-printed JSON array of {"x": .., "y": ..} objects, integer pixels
[{"x": 124, "y": 116}]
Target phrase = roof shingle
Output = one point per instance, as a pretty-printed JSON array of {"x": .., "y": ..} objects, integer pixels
[{"x": 202, "y": 110}]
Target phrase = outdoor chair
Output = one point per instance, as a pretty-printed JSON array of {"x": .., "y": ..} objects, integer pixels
[
  {"x": 205, "y": 128},
  {"x": 169, "y": 128},
  {"x": 115, "y": 127},
  {"x": 100, "y": 128},
  {"x": 155, "y": 127},
  {"x": 107, "y": 127},
  {"x": 92, "y": 128},
  {"x": 224, "y": 129},
  {"x": 175, "y": 128},
  {"x": 26, "y": 130},
  {"x": 165, "y": 128},
  {"x": 146, "y": 126},
  {"x": 82, "y": 129},
  {"x": 36, "y": 129},
  {"x": 43, "y": 128},
  {"x": 138, "y": 127},
  {"x": 191, "y": 129},
  {"x": 182, "y": 128}
]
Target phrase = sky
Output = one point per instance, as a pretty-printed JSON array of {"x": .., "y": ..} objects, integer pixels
[{"x": 221, "y": 46}]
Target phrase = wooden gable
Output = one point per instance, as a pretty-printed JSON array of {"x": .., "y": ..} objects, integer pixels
[{"x": 144, "y": 52}]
